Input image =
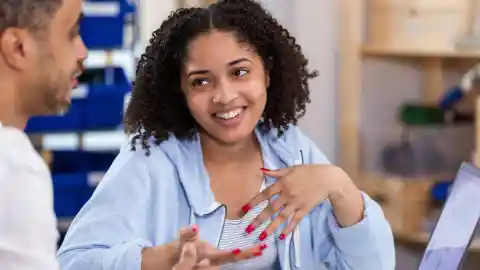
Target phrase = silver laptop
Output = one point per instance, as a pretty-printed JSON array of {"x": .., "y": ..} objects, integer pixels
[{"x": 455, "y": 228}]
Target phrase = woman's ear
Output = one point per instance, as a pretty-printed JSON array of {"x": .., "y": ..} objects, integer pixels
[{"x": 267, "y": 79}]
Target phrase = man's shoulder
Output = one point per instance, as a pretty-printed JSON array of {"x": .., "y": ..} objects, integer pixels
[{"x": 18, "y": 154}]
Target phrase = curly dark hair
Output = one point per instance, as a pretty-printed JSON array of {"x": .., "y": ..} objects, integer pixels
[{"x": 158, "y": 107}]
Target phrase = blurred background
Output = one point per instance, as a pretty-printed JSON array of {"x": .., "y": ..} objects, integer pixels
[{"x": 395, "y": 104}]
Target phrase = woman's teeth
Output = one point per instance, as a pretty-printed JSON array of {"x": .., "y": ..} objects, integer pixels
[{"x": 230, "y": 114}]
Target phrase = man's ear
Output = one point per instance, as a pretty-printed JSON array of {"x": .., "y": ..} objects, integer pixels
[{"x": 14, "y": 46}]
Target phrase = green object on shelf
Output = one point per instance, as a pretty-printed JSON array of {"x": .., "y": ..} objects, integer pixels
[
  {"x": 411, "y": 114},
  {"x": 421, "y": 115}
]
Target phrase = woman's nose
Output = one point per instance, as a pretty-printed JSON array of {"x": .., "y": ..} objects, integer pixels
[{"x": 224, "y": 93}]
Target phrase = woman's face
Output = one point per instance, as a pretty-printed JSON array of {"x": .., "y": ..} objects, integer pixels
[{"x": 225, "y": 84}]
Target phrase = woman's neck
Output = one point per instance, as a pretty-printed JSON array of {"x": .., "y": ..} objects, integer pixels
[{"x": 215, "y": 151}]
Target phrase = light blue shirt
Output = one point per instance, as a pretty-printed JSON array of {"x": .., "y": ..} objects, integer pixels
[{"x": 144, "y": 201}]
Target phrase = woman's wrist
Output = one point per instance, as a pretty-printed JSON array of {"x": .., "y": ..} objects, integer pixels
[{"x": 347, "y": 201}]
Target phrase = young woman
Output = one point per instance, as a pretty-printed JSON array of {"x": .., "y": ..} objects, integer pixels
[{"x": 214, "y": 146}]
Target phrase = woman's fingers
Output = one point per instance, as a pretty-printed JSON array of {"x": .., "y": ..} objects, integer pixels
[
  {"x": 272, "y": 208},
  {"x": 282, "y": 217},
  {"x": 293, "y": 223},
  {"x": 265, "y": 195},
  {"x": 188, "y": 234},
  {"x": 188, "y": 258},
  {"x": 220, "y": 257}
]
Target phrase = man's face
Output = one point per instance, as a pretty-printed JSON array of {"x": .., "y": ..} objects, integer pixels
[{"x": 56, "y": 61}]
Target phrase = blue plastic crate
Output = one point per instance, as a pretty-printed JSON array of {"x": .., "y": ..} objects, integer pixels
[
  {"x": 65, "y": 162},
  {"x": 79, "y": 161},
  {"x": 70, "y": 193},
  {"x": 99, "y": 105},
  {"x": 441, "y": 190},
  {"x": 103, "y": 24},
  {"x": 71, "y": 121},
  {"x": 105, "y": 106}
]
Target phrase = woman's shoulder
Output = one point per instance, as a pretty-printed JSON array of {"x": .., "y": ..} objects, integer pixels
[
  {"x": 135, "y": 151},
  {"x": 137, "y": 163}
]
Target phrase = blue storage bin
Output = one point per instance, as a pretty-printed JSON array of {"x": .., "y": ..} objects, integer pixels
[
  {"x": 441, "y": 190},
  {"x": 105, "y": 106},
  {"x": 65, "y": 162},
  {"x": 102, "y": 26},
  {"x": 70, "y": 193},
  {"x": 101, "y": 161},
  {"x": 101, "y": 106},
  {"x": 71, "y": 121}
]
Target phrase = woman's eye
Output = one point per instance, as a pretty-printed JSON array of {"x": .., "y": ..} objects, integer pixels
[
  {"x": 199, "y": 82},
  {"x": 241, "y": 72}
]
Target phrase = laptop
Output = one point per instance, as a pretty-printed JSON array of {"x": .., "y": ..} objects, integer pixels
[{"x": 454, "y": 231}]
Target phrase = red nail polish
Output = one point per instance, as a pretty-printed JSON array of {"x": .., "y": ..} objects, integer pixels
[
  {"x": 263, "y": 246},
  {"x": 264, "y": 170},
  {"x": 282, "y": 236},
  {"x": 236, "y": 251},
  {"x": 250, "y": 229},
  {"x": 246, "y": 208},
  {"x": 195, "y": 228},
  {"x": 262, "y": 236},
  {"x": 257, "y": 253}
]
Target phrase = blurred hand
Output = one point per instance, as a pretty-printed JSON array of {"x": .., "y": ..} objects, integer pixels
[
  {"x": 188, "y": 260},
  {"x": 188, "y": 245}
]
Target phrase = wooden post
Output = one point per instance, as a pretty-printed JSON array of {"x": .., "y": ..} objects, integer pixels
[
  {"x": 477, "y": 133},
  {"x": 433, "y": 80},
  {"x": 350, "y": 83}
]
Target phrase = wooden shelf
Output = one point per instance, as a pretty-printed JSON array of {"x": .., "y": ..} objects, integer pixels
[
  {"x": 432, "y": 37},
  {"x": 372, "y": 50}
]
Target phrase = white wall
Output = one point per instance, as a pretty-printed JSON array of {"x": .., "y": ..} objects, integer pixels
[{"x": 312, "y": 22}]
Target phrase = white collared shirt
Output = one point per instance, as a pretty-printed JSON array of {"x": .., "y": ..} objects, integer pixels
[{"x": 28, "y": 234}]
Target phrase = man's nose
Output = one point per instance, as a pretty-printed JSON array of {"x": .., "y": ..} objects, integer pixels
[{"x": 82, "y": 51}]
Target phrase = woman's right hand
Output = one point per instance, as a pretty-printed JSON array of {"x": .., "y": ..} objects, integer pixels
[
  {"x": 165, "y": 257},
  {"x": 189, "y": 261}
]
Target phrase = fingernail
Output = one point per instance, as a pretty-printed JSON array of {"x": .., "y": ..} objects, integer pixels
[
  {"x": 195, "y": 228},
  {"x": 264, "y": 170},
  {"x": 262, "y": 236},
  {"x": 236, "y": 251},
  {"x": 282, "y": 236},
  {"x": 246, "y": 208},
  {"x": 250, "y": 229},
  {"x": 263, "y": 246},
  {"x": 257, "y": 253}
]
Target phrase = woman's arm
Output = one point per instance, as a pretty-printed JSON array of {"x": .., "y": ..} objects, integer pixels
[
  {"x": 111, "y": 230},
  {"x": 365, "y": 245},
  {"x": 350, "y": 229}
]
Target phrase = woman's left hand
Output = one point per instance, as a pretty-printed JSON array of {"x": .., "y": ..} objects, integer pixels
[{"x": 300, "y": 189}]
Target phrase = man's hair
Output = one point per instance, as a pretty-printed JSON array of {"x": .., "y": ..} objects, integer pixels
[
  {"x": 29, "y": 14},
  {"x": 158, "y": 107}
]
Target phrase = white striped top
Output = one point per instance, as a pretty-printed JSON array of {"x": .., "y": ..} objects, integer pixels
[{"x": 234, "y": 236}]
